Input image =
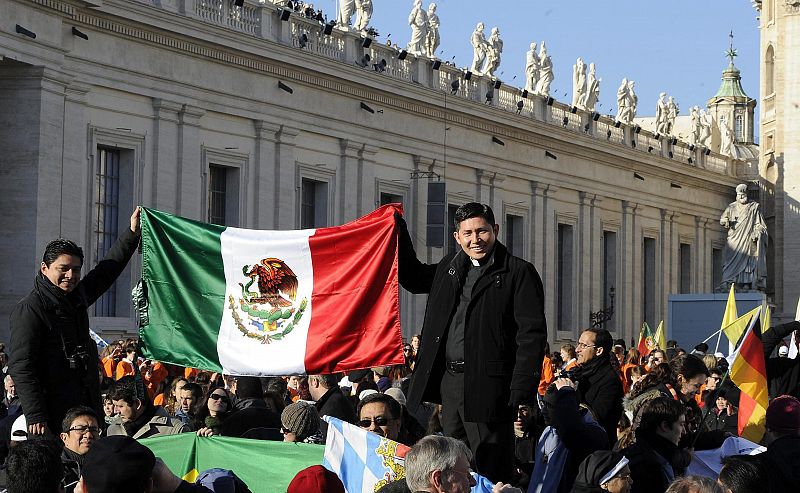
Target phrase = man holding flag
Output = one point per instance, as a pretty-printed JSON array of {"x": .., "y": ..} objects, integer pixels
[{"x": 482, "y": 340}]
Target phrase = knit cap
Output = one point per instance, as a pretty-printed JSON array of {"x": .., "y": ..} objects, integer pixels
[
  {"x": 315, "y": 479},
  {"x": 301, "y": 418},
  {"x": 783, "y": 414}
]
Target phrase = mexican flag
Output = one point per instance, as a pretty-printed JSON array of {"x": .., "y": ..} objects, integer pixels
[{"x": 254, "y": 302}]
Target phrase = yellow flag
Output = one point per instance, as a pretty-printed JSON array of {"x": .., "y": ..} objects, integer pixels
[
  {"x": 766, "y": 319},
  {"x": 734, "y": 330},
  {"x": 191, "y": 476},
  {"x": 661, "y": 338},
  {"x": 730, "y": 312}
]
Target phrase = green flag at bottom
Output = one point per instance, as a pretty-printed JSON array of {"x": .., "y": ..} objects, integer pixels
[{"x": 265, "y": 466}]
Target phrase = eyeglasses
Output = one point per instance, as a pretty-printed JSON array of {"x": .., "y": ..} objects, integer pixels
[
  {"x": 94, "y": 430},
  {"x": 219, "y": 397},
  {"x": 379, "y": 421},
  {"x": 583, "y": 345}
]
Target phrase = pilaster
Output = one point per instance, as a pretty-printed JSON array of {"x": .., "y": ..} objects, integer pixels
[
  {"x": 190, "y": 180},
  {"x": 284, "y": 180},
  {"x": 165, "y": 156},
  {"x": 264, "y": 171},
  {"x": 627, "y": 296},
  {"x": 348, "y": 180}
]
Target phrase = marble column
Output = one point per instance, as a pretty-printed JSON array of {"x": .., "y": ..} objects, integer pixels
[
  {"x": 264, "y": 171},
  {"x": 284, "y": 181},
  {"x": 543, "y": 235},
  {"x": 165, "y": 156},
  {"x": 589, "y": 273},
  {"x": 629, "y": 308},
  {"x": 190, "y": 163},
  {"x": 348, "y": 180}
]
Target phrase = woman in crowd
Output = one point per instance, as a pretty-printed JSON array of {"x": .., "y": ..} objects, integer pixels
[
  {"x": 632, "y": 360},
  {"x": 170, "y": 401},
  {"x": 210, "y": 416}
]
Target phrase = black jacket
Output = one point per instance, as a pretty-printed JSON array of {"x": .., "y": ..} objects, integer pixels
[
  {"x": 650, "y": 465},
  {"x": 504, "y": 335},
  {"x": 783, "y": 374},
  {"x": 782, "y": 460},
  {"x": 600, "y": 388},
  {"x": 335, "y": 403},
  {"x": 46, "y": 324}
]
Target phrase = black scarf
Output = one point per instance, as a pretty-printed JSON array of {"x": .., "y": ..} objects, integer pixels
[
  {"x": 132, "y": 427},
  {"x": 677, "y": 457}
]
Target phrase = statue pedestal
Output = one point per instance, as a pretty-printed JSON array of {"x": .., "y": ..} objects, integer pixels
[{"x": 694, "y": 317}]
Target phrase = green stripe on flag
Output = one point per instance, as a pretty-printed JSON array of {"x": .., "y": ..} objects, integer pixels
[
  {"x": 184, "y": 276},
  {"x": 265, "y": 466}
]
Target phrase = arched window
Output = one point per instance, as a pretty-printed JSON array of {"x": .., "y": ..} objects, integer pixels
[{"x": 769, "y": 71}]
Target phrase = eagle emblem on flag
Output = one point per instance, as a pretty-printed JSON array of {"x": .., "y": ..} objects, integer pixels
[{"x": 272, "y": 312}]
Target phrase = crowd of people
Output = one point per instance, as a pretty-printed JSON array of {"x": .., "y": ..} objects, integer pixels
[{"x": 479, "y": 388}]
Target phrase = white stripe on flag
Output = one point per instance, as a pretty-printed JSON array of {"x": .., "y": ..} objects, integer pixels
[{"x": 242, "y": 355}]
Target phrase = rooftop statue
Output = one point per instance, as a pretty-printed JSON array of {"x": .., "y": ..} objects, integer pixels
[
  {"x": 545, "y": 72},
  {"x": 495, "y": 50},
  {"x": 578, "y": 82},
  {"x": 627, "y": 102},
  {"x": 672, "y": 114},
  {"x": 347, "y": 8},
  {"x": 432, "y": 41},
  {"x": 746, "y": 249},
  {"x": 531, "y": 69},
  {"x": 661, "y": 114},
  {"x": 418, "y": 20},
  {"x": 480, "y": 48},
  {"x": 592, "y": 89},
  {"x": 364, "y": 8},
  {"x": 706, "y": 123}
]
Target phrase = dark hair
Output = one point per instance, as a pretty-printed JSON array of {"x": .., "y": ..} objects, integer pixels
[
  {"x": 743, "y": 474},
  {"x": 394, "y": 407},
  {"x": 602, "y": 338},
  {"x": 34, "y": 466},
  {"x": 634, "y": 357},
  {"x": 327, "y": 381},
  {"x": 248, "y": 388},
  {"x": 569, "y": 349},
  {"x": 275, "y": 401},
  {"x": 473, "y": 209},
  {"x": 202, "y": 412},
  {"x": 74, "y": 414},
  {"x": 687, "y": 365},
  {"x": 195, "y": 389},
  {"x": 130, "y": 348},
  {"x": 279, "y": 386},
  {"x": 59, "y": 247},
  {"x": 658, "y": 410},
  {"x": 124, "y": 390}
]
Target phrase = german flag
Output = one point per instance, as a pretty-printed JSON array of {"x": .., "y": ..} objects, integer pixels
[{"x": 749, "y": 373}]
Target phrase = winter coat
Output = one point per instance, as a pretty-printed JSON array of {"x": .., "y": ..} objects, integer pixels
[
  {"x": 504, "y": 334},
  {"x": 48, "y": 323},
  {"x": 650, "y": 467},
  {"x": 335, "y": 403},
  {"x": 160, "y": 424},
  {"x": 783, "y": 374},
  {"x": 782, "y": 460},
  {"x": 717, "y": 420},
  {"x": 600, "y": 388}
]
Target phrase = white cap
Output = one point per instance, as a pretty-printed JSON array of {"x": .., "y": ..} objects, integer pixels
[
  {"x": 365, "y": 393},
  {"x": 19, "y": 430}
]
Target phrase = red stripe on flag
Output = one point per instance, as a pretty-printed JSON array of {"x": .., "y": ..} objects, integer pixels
[
  {"x": 749, "y": 373},
  {"x": 355, "y": 321}
]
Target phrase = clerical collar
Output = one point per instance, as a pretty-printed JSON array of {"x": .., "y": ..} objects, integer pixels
[{"x": 475, "y": 262}]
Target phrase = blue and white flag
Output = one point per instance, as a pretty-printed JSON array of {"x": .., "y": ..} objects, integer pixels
[
  {"x": 365, "y": 461},
  {"x": 708, "y": 463},
  {"x": 101, "y": 344}
]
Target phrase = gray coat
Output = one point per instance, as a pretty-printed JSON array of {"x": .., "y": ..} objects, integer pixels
[{"x": 160, "y": 424}]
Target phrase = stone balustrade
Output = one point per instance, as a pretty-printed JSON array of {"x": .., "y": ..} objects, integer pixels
[{"x": 263, "y": 20}]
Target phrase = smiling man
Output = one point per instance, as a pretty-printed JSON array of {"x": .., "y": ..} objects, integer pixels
[
  {"x": 78, "y": 432},
  {"x": 482, "y": 340},
  {"x": 53, "y": 359}
]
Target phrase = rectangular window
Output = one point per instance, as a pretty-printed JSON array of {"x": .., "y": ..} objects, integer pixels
[
  {"x": 313, "y": 204},
  {"x": 449, "y": 242},
  {"x": 716, "y": 267},
  {"x": 564, "y": 277},
  {"x": 107, "y": 220},
  {"x": 223, "y": 195},
  {"x": 514, "y": 234},
  {"x": 649, "y": 282},
  {"x": 685, "y": 274},
  {"x": 391, "y": 198},
  {"x": 609, "y": 272}
]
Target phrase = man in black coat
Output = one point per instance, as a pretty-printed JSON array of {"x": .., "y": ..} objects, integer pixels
[
  {"x": 783, "y": 374},
  {"x": 599, "y": 384},
  {"x": 482, "y": 340},
  {"x": 330, "y": 400},
  {"x": 54, "y": 361}
]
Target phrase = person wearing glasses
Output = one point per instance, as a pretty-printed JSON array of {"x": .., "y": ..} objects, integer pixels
[
  {"x": 483, "y": 338},
  {"x": 212, "y": 413},
  {"x": 79, "y": 431},
  {"x": 381, "y": 414}
]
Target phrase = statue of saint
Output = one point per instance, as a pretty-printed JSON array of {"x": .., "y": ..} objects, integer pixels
[
  {"x": 694, "y": 136},
  {"x": 661, "y": 114},
  {"x": 746, "y": 250},
  {"x": 432, "y": 41},
  {"x": 578, "y": 82},
  {"x": 347, "y": 8},
  {"x": 479, "y": 48},
  {"x": 672, "y": 114},
  {"x": 531, "y": 69},
  {"x": 418, "y": 20},
  {"x": 623, "y": 109},
  {"x": 364, "y": 8},
  {"x": 592, "y": 89},
  {"x": 706, "y": 123},
  {"x": 495, "y": 50},
  {"x": 726, "y": 138},
  {"x": 545, "y": 72}
]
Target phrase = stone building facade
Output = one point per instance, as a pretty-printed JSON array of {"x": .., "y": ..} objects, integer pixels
[
  {"x": 232, "y": 115},
  {"x": 779, "y": 23}
]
